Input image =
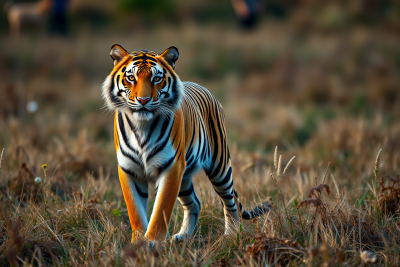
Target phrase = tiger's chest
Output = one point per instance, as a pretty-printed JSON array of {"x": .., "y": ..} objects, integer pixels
[
  {"x": 145, "y": 150},
  {"x": 144, "y": 157}
]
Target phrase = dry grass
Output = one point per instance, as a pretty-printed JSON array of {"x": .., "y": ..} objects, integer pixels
[{"x": 89, "y": 225}]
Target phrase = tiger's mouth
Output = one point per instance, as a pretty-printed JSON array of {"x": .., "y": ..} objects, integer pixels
[{"x": 142, "y": 110}]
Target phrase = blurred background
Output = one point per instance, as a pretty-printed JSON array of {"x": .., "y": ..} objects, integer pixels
[{"x": 319, "y": 79}]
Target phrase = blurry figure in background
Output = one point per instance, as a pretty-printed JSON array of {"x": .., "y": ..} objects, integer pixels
[
  {"x": 25, "y": 14},
  {"x": 247, "y": 11},
  {"x": 59, "y": 21}
]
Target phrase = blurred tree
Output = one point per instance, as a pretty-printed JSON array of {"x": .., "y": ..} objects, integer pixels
[{"x": 155, "y": 9}]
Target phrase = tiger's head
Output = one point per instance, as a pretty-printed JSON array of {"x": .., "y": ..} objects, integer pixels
[{"x": 143, "y": 83}]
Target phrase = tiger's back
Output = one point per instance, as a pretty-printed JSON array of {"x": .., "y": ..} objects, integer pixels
[{"x": 205, "y": 135}]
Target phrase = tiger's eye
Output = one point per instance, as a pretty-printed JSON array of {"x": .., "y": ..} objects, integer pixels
[
  {"x": 157, "y": 79},
  {"x": 130, "y": 78}
]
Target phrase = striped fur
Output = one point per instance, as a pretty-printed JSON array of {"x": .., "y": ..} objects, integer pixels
[{"x": 165, "y": 131}]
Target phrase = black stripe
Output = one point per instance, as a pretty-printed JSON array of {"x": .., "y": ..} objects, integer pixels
[
  {"x": 224, "y": 160},
  {"x": 173, "y": 140},
  {"x": 163, "y": 129},
  {"x": 191, "y": 144},
  {"x": 119, "y": 89},
  {"x": 130, "y": 156},
  {"x": 141, "y": 193},
  {"x": 187, "y": 192},
  {"x": 214, "y": 140},
  {"x": 161, "y": 146},
  {"x": 121, "y": 126},
  {"x": 153, "y": 125},
  {"x": 205, "y": 145},
  {"x": 174, "y": 85},
  {"x": 229, "y": 186},
  {"x": 225, "y": 180},
  {"x": 144, "y": 58},
  {"x": 164, "y": 166},
  {"x": 169, "y": 85},
  {"x": 113, "y": 98},
  {"x": 218, "y": 120},
  {"x": 124, "y": 83},
  {"x": 230, "y": 206},
  {"x": 129, "y": 172},
  {"x": 218, "y": 168},
  {"x": 188, "y": 203},
  {"x": 118, "y": 82},
  {"x": 191, "y": 99},
  {"x": 134, "y": 130},
  {"x": 190, "y": 161},
  {"x": 196, "y": 158},
  {"x": 226, "y": 196},
  {"x": 200, "y": 98},
  {"x": 246, "y": 216},
  {"x": 180, "y": 154}
]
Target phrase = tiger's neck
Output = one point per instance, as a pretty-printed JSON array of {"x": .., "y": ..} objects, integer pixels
[{"x": 144, "y": 127}]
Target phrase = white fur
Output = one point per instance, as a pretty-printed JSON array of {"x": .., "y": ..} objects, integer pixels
[{"x": 143, "y": 116}]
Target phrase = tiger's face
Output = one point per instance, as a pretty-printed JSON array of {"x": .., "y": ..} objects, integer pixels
[{"x": 143, "y": 83}]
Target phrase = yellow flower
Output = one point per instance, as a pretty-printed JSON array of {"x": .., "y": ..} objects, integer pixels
[{"x": 44, "y": 166}]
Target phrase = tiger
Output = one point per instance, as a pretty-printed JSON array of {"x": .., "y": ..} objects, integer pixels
[{"x": 165, "y": 132}]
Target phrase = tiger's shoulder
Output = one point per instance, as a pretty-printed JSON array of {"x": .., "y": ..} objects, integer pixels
[{"x": 196, "y": 94}]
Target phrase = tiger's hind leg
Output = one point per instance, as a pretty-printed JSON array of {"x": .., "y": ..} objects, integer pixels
[
  {"x": 191, "y": 206},
  {"x": 223, "y": 186}
]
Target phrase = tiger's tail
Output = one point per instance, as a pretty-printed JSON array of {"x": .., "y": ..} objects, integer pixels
[{"x": 256, "y": 212}]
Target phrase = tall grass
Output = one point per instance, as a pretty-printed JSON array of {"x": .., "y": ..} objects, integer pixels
[{"x": 89, "y": 226}]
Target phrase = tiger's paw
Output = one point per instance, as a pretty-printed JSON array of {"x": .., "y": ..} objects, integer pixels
[
  {"x": 231, "y": 231},
  {"x": 137, "y": 236},
  {"x": 180, "y": 237}
]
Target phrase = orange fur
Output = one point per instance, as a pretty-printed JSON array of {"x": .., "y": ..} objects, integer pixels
[{"x": 116, "y": 138}]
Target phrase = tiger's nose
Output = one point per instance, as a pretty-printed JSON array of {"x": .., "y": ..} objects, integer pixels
[{"x": 143, "y": 100}]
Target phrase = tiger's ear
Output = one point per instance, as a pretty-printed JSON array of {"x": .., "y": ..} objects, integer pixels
[
  {"x": 171, "y": 56},
  {"x": 118, "y": 53}
]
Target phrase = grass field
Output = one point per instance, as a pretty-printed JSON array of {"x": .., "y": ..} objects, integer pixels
[{"x": 330, "y": 99}]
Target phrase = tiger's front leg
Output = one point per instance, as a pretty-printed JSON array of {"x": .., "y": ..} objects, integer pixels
[
  {"x": 135, "y": 195},
  {"x": 168, "y": 186}
]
